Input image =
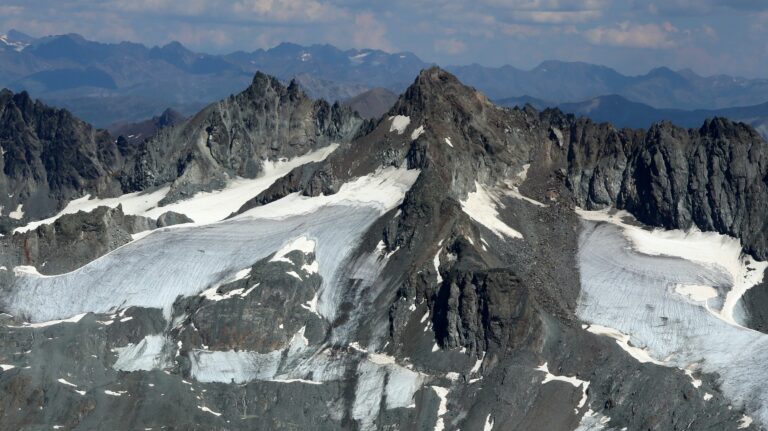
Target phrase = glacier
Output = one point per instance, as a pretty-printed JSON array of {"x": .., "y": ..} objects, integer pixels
[
  {"x": 630, "y": 278},
  {"x": 184, "y": 260}
]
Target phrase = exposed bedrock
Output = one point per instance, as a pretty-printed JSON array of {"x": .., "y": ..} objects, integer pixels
[{"x": 72, "y": 240}]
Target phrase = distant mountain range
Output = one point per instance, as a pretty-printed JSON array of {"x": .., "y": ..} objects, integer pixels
[
  {"x": 373, "y": 103},
  {"x": 105, "y": 83},
  {"x": 621, "y": 112}
]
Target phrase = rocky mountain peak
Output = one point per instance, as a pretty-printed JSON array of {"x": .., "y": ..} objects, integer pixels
[
  {"x": 719, "y": 127},
  {"x": 261, "y": 82},
  {"x": 435, "y": 90},
  {"x": 169, "y": 117},
  {"x": 234, "y": 137}
]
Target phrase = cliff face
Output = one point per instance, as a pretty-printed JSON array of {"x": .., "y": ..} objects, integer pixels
[
  {"x": 713, "y": 178},
  {"x": 50, "y": 157}
]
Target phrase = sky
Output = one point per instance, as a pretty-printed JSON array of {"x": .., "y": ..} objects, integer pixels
[{"x": 632, "y": 36}]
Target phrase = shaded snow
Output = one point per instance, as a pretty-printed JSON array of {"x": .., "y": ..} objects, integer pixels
[
  {"x": 148, "y": 354},
  {"x": 592, "y": 421}
]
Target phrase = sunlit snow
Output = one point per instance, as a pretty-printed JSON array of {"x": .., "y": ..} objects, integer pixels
[
  {"x": 481, "y": 206},
  {"x": 630, "y": 278},
  {"x": 153, "y": 271},
  {"x": 399, "y": 123},
  {"x": 203, "y": 207}
]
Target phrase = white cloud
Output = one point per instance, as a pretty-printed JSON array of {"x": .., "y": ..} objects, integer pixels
[
  {"x": 633, "y": 35},
  {"x": 558, "y": 17},
  {"x": 290, "y": 10},
  {"x": 450, "y": 46},
  {"x": 520, "y": 30},
  {"x": 549, "y": 5},
  {"x": 11, "y": 10},
  {"x": 698, "y": 7}
]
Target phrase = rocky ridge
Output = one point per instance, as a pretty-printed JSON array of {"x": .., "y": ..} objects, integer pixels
[{"x": 465, "y": 293}]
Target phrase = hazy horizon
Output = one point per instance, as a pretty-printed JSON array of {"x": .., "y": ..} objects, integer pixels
[{"x": 709, "y": 37}]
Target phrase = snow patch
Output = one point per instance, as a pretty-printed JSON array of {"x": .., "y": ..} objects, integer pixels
[
  {"x": 64, "y": 382},
  {"x": 18, "y": 213},
  {"x": 481, "y": 206},
  {"x": 488, "y": 426},
  {"x": 593, "y": 421},
  {"x": 73, "y": 319},
  {"x": 745, "y": 422},
  {"x": 478, "y": 364},
  {"x": 302, "y": 244},
  {"x": 212, "y": 293},
  {"x": 417, "y": 132},
  {"x": 641, "y": 355},
  {"x": 442, "y": 408},
  {"x": 576, "y": 382},
  {"x": 311, "y": 305},
  {"x": 151, "y": 353},
  {"x": 207, "y": 410},
  {"x": 399, "y": 123},
  {"x": 436, "y": 262}
]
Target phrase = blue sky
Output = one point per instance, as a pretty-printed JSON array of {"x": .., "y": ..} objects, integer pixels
[{"x": 632, "y": 36}]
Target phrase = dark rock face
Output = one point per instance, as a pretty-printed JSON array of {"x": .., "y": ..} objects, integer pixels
[
  {"x": 712, "y": 178},
  {"x": 50, "y": 157},
  {"x": 236, "y": 136},
  {"x": 483, "y": 309},
  {"x": 171, "y": 218}
]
